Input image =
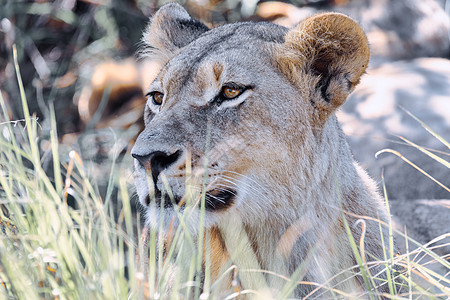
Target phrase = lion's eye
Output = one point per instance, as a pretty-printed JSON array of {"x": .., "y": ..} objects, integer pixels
[
  {"x": 231, "y": 92},
  {"x": 157, "y": 97}
]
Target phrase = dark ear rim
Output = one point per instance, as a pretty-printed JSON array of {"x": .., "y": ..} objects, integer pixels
[{"x": 170, "y": 29}]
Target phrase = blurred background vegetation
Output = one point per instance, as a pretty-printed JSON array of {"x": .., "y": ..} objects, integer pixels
[{"x": 59, "y": 42}]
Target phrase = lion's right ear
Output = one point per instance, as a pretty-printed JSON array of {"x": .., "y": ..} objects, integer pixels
[{"x": 170, "y": 29}]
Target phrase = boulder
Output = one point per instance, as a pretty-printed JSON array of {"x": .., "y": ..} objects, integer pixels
[{"x": 376, "y": 115}]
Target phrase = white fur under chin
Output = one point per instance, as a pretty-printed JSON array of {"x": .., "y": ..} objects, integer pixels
[{"x": 157, "y": 218}]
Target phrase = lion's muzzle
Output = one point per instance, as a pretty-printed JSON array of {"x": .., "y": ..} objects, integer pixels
[
  {"x": 155, "y": 162},
  {"x": 158, "y": 161}
]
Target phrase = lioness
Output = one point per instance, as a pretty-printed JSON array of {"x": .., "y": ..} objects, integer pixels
[{"x": 248, "y": 108}]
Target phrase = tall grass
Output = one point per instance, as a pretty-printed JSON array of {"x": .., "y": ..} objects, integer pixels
[
  {"x": 93, "y": 249},
  {"x": 56, "y": 250}
]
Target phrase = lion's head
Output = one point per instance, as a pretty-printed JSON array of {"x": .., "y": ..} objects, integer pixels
[{"x": 241, "y": 109}]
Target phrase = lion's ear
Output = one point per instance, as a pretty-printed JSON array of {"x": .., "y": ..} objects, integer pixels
[
  {"x": 170, "y": 29},
  {"x": 334, "y": 50}
]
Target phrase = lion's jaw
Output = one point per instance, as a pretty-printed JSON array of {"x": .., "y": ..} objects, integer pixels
[{"x": 216, "y": 193}]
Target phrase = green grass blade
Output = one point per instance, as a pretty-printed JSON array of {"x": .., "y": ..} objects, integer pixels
[
  {"x": 55, "y": 151},
  {"x": 26, "y": 112},
  {"x": 391, "y": 283},
  {"x": 430, "y": 154},
  {"x": 413, "y": 165},
  {"x": 427, "y": 128}
]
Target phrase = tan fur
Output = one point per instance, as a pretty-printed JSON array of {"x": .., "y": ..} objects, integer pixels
[
  {"x": 326, "y": 41},
  {"x": 277, "y": 148},
  {"x": 219, "y": 256}
]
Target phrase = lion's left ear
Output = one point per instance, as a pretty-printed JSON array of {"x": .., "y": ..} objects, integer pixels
[
  {"x": 170, "y": 29},
  {"x": 333, "y": 49}
]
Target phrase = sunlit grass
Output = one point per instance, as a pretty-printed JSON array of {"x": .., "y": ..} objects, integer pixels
[
  {"x": 92, "y": 248},
  {"x": 56, "y": 250}
]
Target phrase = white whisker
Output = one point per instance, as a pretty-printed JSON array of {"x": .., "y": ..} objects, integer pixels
[
  {"x": 216, "y": 198},
  {"x": 225, "y": 188},
  {"x": 249, "y": 178},
  {"x": 245, "y": 184}
]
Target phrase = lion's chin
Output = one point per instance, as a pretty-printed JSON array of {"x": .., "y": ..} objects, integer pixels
[{"x": 169, "y": 219}]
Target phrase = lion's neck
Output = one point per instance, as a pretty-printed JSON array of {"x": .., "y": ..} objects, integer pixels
[{"x": 297, "y": 213}]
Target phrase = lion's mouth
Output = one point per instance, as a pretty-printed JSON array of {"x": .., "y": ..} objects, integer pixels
[
  {"x": 219, "y": 199},
  {"x": 215, "y": 200}
]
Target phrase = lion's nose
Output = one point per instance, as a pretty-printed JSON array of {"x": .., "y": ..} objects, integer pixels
[{"x": 158, "y": 161}]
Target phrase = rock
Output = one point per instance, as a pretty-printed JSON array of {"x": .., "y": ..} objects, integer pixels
[
  {"x": 373, "y": 119},
  {"x": 424, "y": 220},
  {"x": 396, "y": 29}
]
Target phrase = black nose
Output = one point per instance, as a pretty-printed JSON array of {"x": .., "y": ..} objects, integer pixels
[{"x": 158, "y": 161}]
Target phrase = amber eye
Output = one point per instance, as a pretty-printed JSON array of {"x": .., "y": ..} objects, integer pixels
[
  {"x": 157, "y": 97},
  {"x": 230, "y": 92}
]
